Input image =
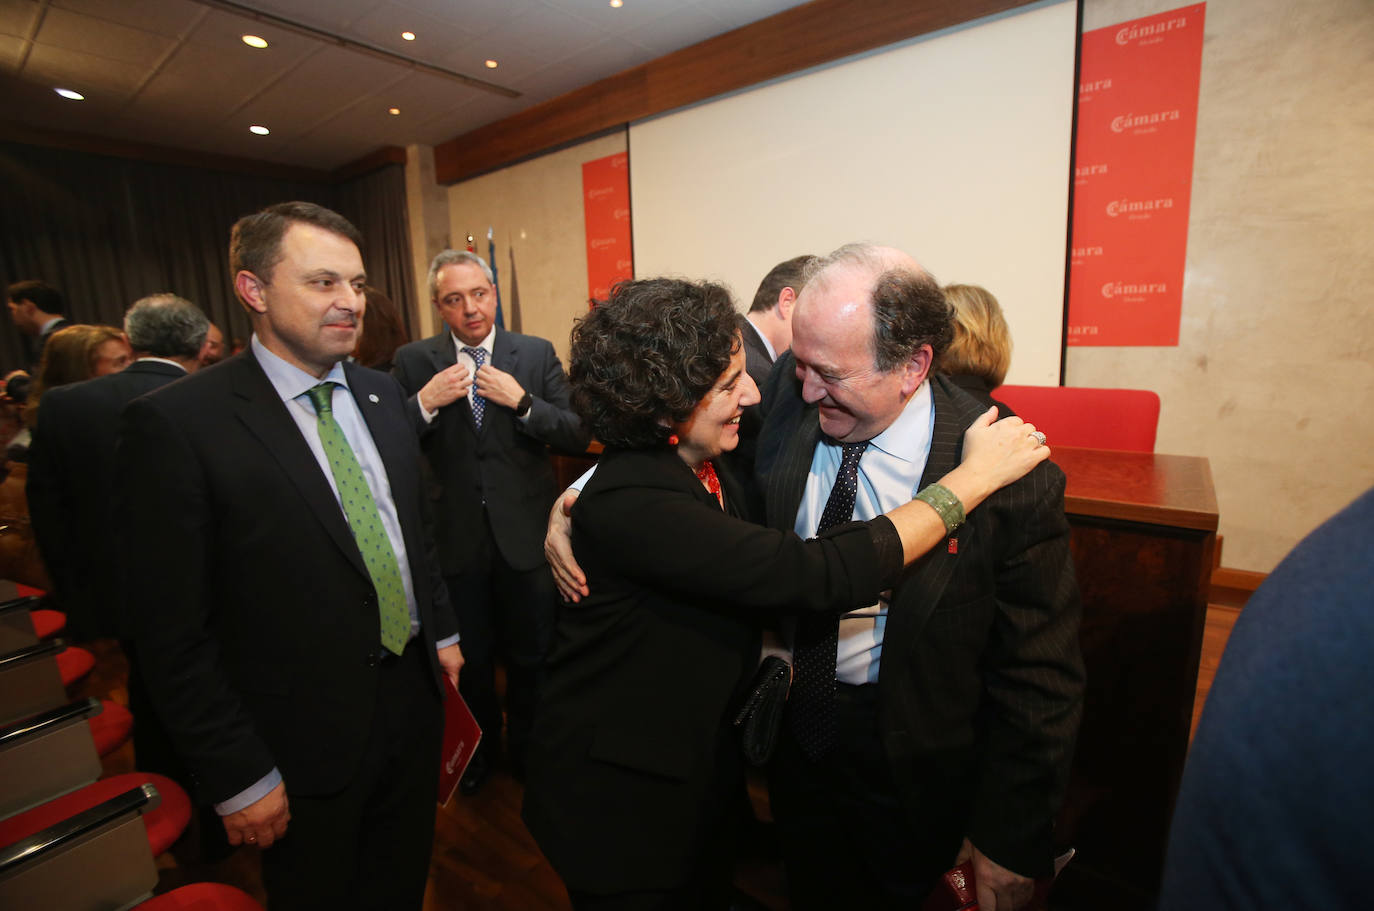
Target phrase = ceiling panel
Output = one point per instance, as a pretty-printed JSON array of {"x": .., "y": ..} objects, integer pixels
[
  {"x": 480, "y": 17},
  {"x": 11, "y": 52},
  {"x": 382, "y": 26},
  {"x": 17, "y": 17},
  {"x": 94, "y": 77},
  {"x": 156, "y": 16},
  {"x": 199, "y": 87},
  {"x": 68, "y": 31}
]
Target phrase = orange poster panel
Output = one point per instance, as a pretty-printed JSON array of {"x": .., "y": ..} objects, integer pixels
[
  {"x": 1133, "y": 175},
  {"x": 606, "y": 207}
]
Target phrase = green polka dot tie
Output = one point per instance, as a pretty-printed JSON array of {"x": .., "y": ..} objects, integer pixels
[{"x": 364, "y": 521}]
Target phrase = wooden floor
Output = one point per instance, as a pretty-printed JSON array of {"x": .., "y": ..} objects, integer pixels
[{"x": 483, "y": 857}]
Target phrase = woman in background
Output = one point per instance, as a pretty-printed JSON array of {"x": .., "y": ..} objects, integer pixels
[
  {"x": 382, "y": 332},
  {"x": 71, "y": 355},
  {"x": 980, "y": 351}
]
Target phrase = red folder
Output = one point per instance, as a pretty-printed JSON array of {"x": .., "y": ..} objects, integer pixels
[{"x": 461, "y": 736}]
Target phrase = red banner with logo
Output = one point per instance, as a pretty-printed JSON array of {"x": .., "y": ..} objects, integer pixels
[
  {"x": 606, "y": 207},
  {"x": 1133, "y": 175}
]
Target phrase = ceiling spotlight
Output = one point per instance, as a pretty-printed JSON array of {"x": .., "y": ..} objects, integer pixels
[
  {"x": 409, "y": 36},
  {"x": 68, "y": 93},
  {"x": 393, "y": 111},
  {"x": 260, "y": 130},
  {"x": 617, "y": 4},
  {"x": 254, "y": 41},
  {"x": 491, "y": 64}
]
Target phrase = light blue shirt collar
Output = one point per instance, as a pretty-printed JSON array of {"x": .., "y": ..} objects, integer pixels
[{"x": 289, "y": 380}]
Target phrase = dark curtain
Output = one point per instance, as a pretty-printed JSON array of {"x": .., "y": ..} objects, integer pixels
[
  {"x": 376, "y": 203},
  {"x": 107, "y": 231}
]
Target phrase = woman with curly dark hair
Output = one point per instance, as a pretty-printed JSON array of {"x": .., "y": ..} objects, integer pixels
[{"x": 634, "y": 772}]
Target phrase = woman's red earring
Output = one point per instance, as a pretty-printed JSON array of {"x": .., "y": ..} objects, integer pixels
[{"x": 672, "y": 439}]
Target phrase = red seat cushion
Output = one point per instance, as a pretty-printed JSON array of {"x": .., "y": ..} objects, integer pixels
[
  {"x": 111, "y": 728},
  {"x": 202, "y": 897},
  {"x": 73, "y": 663},
  {"x": 27, "y": 591},
  {"x": 165, "y": 823},
  {"x": 48, "y": 623}
]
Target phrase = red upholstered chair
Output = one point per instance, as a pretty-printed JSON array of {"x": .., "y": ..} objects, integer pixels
[
  {"x": 1091, "y": 418},
  {"x": 48, "y": 623},
  {"x": 74, "y": 663},
  {"x": 164, "y": 824},
  {"x": 111, "y": 728},
  {"x": 28, "y": 591},
  {"x": 202, "y": 897},
  {"x": 98, "y": 857}
]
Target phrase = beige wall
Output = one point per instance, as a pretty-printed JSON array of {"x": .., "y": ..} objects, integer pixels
[
  {"x": 535, "y": 209},
  {"x": 427, "y": 209},
  {"x": 1271, "y": 378},
  {"x": 1272, "y": 373}
]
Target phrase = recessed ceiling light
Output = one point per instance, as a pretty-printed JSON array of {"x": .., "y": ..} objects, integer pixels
[
  {"x": 260, "y": 130},
  {"x": 254, "y": 41},
  {"x": 393, "y": 110},
  {"x": 617, "y": 4},
  {"x": 409, "y": 36},
  {"x": 491, "y": 64},
  {"x": 68, "y": 93}
]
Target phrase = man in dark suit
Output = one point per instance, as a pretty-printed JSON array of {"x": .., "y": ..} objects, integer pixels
[
  {"x": 37, "y": 311},
  {"x": 291, "y": 627},
  {"x": 767, "y": 329},
  {"x": 71, "y": 460},
  {"x": 949, "y": 709},
  {"x": 767, "y": 333},
  {"x": 492, "y": 403}
]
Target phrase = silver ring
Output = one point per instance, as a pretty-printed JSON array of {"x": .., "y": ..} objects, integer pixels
[
  {"x": 251, "y": 839},
  {"x": 1039, "y": 437}
]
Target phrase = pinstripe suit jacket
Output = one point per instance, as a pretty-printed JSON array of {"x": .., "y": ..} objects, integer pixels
[{"x": 981, "y": 678}]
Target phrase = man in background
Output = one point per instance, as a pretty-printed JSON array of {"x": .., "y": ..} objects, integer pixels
[
  {"x": 768, "y": 330},
  {"x": 493, "y": 402},
  {"x": 71, "y": 460},
  {"x": 212, "y": 352},
  {"x": 37, "y": 311}
]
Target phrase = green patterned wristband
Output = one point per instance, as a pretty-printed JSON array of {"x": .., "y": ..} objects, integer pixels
[{"x": 941, "y": 499}]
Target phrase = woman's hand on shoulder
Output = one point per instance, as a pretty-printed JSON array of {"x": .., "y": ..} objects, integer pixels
[{"x": 999, "y": 452}]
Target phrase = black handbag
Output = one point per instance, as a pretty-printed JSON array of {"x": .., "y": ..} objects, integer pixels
[{"x": 760, "y": 716}]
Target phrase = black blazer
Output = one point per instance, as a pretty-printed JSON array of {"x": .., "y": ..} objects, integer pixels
[
  {"x": 507, "y": 463},
  {"x": 981, "y": 682},
  {"x": 632, "y": 761},
  {"x": 70, "y": 485},
  {"x": 255, "y": 619}
]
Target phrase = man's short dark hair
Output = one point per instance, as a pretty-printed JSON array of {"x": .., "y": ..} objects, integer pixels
[
  {"x": 255, "y": 241},
  {"x": 43, "y": 296},
  {"x": 789, "y": 274},
  {"x": 909, "y": 310},
  {"x": 165, "y": 325}
]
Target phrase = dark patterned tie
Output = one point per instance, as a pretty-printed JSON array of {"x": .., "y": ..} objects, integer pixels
[
  {"x": 365, "y": 522},
  {"x": 818, "y": 635},
  {"x": 479, "y": 404}
]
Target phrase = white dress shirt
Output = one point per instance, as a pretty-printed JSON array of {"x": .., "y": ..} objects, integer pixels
[{"x": 889, "y": 475}]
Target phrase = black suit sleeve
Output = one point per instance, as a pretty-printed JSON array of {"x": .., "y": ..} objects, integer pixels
[
  {"x": 667, "y": 539},
  {"x": 1033, "y": 677},
  {"x": 167, "y": 542},
  {"x": 551, "y": 419},
  {"x": 45, "y": 493}
]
